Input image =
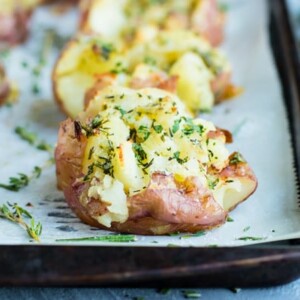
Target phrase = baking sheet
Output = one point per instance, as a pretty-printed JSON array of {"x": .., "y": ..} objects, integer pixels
[{"x": 257, "y": 119}]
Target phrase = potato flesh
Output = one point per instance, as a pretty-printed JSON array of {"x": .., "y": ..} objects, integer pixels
[
  {"x": 79, "y": 66},
  {"x": 194, "y": 82},
  {"x": 193, "y": 158}
]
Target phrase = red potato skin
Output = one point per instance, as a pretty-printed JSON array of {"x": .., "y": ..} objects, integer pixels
[
  {"x": 14, "y": 26},
  {"x": 223, "y": 88},
  {"x": 165, "y": 206},
  {"x": 209, "y": 21}
]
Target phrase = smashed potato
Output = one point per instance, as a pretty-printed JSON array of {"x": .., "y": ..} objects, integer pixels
[
  {"x": 135, "y": 161},
  {"x": 199, "y": 74},
  {"x": 141, "y": 20}
]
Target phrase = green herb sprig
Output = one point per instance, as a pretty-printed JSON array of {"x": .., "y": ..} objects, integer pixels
[
  {"x": 196, "y": 234},
  {"x": 251, "y": 238},
  {"x": 33, "y": 139},
  {"x": 17, "y": 214},
  {"x": 22, "y": 180},
  {"x": 111, "y": 238},
  {"x": 191, "y": 294}
]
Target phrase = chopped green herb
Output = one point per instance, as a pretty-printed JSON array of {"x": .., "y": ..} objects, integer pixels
[
  {"x": 246, "y": 228},
  {"x": 172, "y": 246},
  {"x": 44, "y": 146},
  {"x": 212, "y": 183},
  {"x": 176, "y": 126},
  {"x": 26, "y": 135},
  {"x": 157, "y": 128},
  {"x": 16, "y": 214},
  {"x": 229, "y": 219},
  {"x": 32, "y": 139},
  {"x": 236, "y": 158},
  {"x": 104, "y": 49},
  {"x": 229, "y": 181},
  {"x": 37, "y": 171},
  {"x": 17, "y": 183},
  {"x": 91, "y": 153},
  {"x": 24, "y": 64},
  {"x": 143, "y": 133},
  {"x": 35, "y": 89},
  {"x": 150, "y": 61},
  {"x": 139, "y": 152},
  {"x": 111, "y": 238},
  {"x": 94, "y": 126},
  {"x": 119, "y": 68},
  {"x": 178, "y": 159},
  {"x": 105, "y": 164},
  {"x": 191, "y": 294},
  {"x": 121, "y": 110},
  {"x": 250, "y": 238},
  {"x": 197, "y": 234}
]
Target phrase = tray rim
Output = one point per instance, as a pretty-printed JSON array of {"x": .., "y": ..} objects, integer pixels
[{"x": 176, "y": 267}]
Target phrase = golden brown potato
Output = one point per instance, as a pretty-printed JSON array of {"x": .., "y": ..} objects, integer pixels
[
  {"x": 135, "y": 161},
  {"x": 199, "y": 74},
  {"x": 142, "y": 19}
]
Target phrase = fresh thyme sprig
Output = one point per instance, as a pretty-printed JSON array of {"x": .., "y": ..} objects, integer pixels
[
  {"x": 16, "y": 183},
  {"x": 112, "y": 238},
  {"x": 22, "y": 180},
  {"x": 16, "y": 214},
  {"x": 33, "y": 140}
]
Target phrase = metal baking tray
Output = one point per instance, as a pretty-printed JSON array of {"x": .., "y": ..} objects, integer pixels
[{"x": 253, "y": 266}]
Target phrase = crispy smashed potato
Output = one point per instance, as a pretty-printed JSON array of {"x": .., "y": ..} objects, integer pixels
[
  {"x": 199, "y": 74},
  {"x": 135, "y": 161},
  {"x": 141, "y": 20}
]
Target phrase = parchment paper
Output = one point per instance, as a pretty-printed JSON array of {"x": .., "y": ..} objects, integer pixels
[{"x": 257, "y": 119}]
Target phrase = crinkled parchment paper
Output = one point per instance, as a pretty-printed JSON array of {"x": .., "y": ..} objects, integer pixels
[{"x": 257, "y": 119}]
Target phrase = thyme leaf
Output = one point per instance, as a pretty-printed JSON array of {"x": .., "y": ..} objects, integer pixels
[
  {"x": 17, "y": 214},
  {"x": 32, "y": 139},
  {"x": 111, "y": 238}
]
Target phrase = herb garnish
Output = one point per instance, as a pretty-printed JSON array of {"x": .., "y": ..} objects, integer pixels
[
  {"x": 157, "y": 128},
  {"x": 104, "y": 49},
  {"x": 121, "y": 110},
  {"x": 139, "y": 152},
  {"x": 16, "y": 183},
  {"x": 191, "y": 294},
  {"x": 229, "y": 219},
  {"x": 32, "y": 139},
  {"x": 213, "y": 183},
  {"x": 111, "y": 238},
  {"x": 16, "y": 214},
  {"x": 150, "y": 61},
  {"x": 94, "y": 126},
  {"x": 178, "y": 159},
  {"x": 143, "y": 133},
  {"x": 246, "y": 228},
  {"x": 196, "y": 234},
  {"x": 175, "y": 126},
  {"x": 251, "y": 238},
  {"x": 119, "y": 68},
  {"x": 236, "y": 158}
]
